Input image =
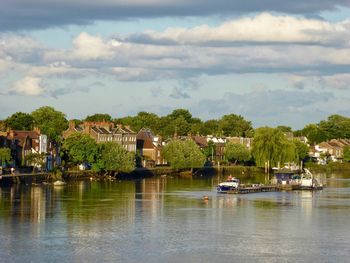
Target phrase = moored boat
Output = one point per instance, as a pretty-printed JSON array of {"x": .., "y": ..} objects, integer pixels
[{"x": 230, "y": 184}]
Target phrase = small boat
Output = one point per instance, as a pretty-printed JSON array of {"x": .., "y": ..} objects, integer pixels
[
  {"x": 230, "y": 184},
  {"x": 308, "y": 182},
  {"x": 58, "y": 183}
]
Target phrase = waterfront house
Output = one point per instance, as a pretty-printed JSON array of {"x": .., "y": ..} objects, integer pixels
[
  {"x": 333, "y": 149},
  {"x": 22, "y": 143},
  {"x": 150, "y": 147},
  {"x": 105, "y": 132}
]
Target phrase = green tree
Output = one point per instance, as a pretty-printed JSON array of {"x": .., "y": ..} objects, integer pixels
[
  {"x": 235, "y": 125},
  {"x": 178, "y": 113},
  {"x": 235, "y": 152},
  {"x": 210, "y": 150},
  {"x": 183, "y": 154},
  {"x": 272, "y": 145},
  {"x": 301, "y": 150},
  {"x": 51, "y": 122},
  {"x": 36, "y": 159},
  {"x": 283, "y": 128},
  {"x": 98, "y": 117},
  {"x": 336, "y": 126},
  {"x": 314, "y": 134},
  {"x": 211, "y": 127},
  {"x": 20, "y": 121},
  {"x": 79, "y": 148},
  {"x": 5, "y": 155},
  {"x": 114, "y": 158},
  {"x": 346, "y": 154}
]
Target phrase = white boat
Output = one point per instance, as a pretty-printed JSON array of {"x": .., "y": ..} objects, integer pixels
[
  {"x": 230, "y": 184},
  {"x": 308, "y": 182},
  {"x": 58, "y": 183}
]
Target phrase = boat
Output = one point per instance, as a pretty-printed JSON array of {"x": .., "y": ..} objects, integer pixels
[
  {"x": 308, "y": 182},
  {"x": 230, "y": 184},
  {"x": 59, "y": 183}
]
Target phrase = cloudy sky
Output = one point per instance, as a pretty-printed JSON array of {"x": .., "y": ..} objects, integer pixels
[{"x": 274, "y": 62}]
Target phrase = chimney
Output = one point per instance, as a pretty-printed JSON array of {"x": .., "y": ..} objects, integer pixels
[{"x": 87, "y": 127}]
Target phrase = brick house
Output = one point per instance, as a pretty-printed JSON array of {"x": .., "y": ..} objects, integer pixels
[
  {"x": 105, "y": 132},
  {"x": 22, "y": 143},
  {"x": 149, "y": 147}
]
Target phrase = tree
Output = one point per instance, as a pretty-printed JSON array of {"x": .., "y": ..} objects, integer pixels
[
  {"x": 235, "y": 152},
  {"x": 113, "y": 157},
  {"x": 183, "y": 154},
  {"x": 99, "y": 117},
  {"x": 80, "y": 148},
  {"x": 336, "y": 126},
  {"x": 210, "y": 150},
  {"x": 272, "y": 145},
  {"x": 51, "y": 122},
  {"x": 36, "y": 159},
  {"x": 20, "y": 121},
  {"x": 346, "y": 154},
  {"x": 236, "y": 125},
  {"x": 314, "y": 134},
  {"x": 283, "y": 128},
  {"x": 301, "y": 150},
  {"x": 5, "y": 155}
]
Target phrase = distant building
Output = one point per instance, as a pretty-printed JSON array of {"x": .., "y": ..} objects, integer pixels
[
  {"x": 333, "y": 150},
  {"x": 105, "y": 132},
  {"x": 150, "y": 147},
  {"x": 22, "y": 143},
  {"x": 248, "y": 142}
]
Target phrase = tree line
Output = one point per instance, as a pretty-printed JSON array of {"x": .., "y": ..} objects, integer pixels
[{"x": 270, "y": 144}]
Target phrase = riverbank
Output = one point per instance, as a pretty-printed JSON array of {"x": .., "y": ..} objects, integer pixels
[{"x": 328, "y": 168}]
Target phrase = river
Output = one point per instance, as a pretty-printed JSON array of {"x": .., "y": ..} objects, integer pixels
[{"x": 166, "y": 219}]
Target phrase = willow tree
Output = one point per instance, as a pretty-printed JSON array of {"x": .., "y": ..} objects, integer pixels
[
  {"x": 184, "y": 154},
  {"x": 272, "y": 145}
]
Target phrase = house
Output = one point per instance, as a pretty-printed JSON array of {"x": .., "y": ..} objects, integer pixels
[
  {"x": 22, "y": 143},
  {"x": 150, "y": 147},
  {"x": 248, "y": 142},
  {"x": 333, "y": 148},
  {"x": 105, "y": 132}
]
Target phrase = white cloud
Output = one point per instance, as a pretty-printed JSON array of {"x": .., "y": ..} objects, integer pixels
[
  {"x": 263, "y": 28},
  {"x": 90, "y": 47},
  {"x": 29, "y": 86}
]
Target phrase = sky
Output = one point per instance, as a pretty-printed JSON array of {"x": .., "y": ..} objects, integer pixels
[{"x": 273, "y": 62}]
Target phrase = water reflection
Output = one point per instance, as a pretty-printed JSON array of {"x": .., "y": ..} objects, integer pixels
[{"x": 166, "y": 219}]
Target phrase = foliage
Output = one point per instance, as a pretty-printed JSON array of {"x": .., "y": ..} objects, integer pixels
[
  {"x": 51, "y": 122},
  {"x": 272, "y": 145},
  {"x": 336, "y": 126},
  {"x": 283, "y": 128},
  {"x": 2, "y": 126},
  {"x": 36, "y": 159},
  {"x": 5, "y": 155},
  {"x": 113, "y": 157},
  {"x": 80, "y": 148},
  {"x": 301, "y": 150},
  {"x": 99, "y": 117},
  {"x": 183, "y": 154},
  {"x": 235, "y": 125},
  {"x": 210, "y": 150},
  {"x": 346, "y": 154},
  {"x": 235, "y": 152},
  {"x": 20, "y": 121}
]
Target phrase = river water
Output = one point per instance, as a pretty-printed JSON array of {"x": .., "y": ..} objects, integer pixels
[{"x": 165, "y": 219}]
